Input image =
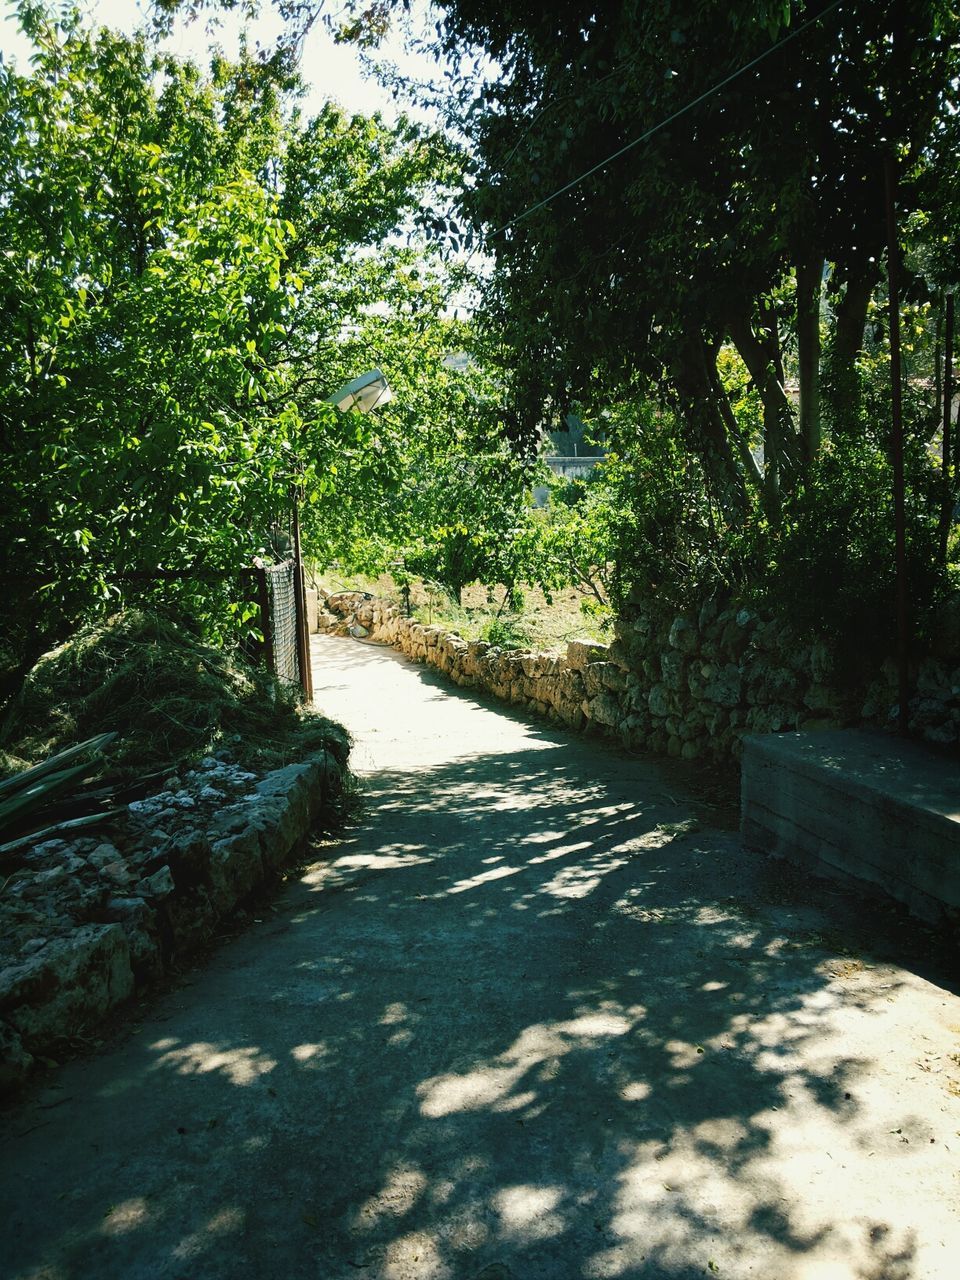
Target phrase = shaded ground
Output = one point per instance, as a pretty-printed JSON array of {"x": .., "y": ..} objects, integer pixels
[{"x": 531, "y": 1020}]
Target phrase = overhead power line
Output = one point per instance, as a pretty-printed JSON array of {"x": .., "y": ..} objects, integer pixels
[{"x": 662, "y": 124}]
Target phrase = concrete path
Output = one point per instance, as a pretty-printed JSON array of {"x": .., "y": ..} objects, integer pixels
[{"x": 529, "y": 1022}]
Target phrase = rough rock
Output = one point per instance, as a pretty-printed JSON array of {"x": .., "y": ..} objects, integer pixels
[
  {"x": 72, "y": 980},
  {"x": 85, "y": 921},
  {"x": 690, "y": 684},
  {"x": 580, "y": 653}
]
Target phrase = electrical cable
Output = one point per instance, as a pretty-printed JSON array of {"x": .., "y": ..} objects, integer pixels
[{"x": 647, "y": 134}]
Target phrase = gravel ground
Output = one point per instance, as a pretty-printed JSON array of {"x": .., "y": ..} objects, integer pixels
[{"x": 535, "y": 1017}]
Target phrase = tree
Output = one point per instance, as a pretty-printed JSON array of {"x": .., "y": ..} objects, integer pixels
[
  {"x": 722, "y": 226},
  {"x": 181, "y": 256}
]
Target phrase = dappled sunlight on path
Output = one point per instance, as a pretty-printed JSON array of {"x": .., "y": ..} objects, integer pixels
[{"x": 532, "y": 1019}]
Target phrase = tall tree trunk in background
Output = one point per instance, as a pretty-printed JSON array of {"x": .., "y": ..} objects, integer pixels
[
  {"x": 706, "y": 431},
  {"x": 846, "y": 343},
  {"x": 761, "y": 355},
  {"x": 809, "y": 283},
  {"x": 949, "y": 447},
  {"x": 751, "y": 468}
]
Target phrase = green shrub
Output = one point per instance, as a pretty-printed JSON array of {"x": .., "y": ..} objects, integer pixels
[
  {"x": 506, "y": 632},
  {"x": 829, "y": 568}
]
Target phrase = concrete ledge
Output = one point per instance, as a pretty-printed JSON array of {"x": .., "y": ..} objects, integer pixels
[{"x": 859, "y": 806}]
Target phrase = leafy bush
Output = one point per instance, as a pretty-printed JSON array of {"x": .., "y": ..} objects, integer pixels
[
  {"x": 830, "y": 566},
  {"x": 649, "y": 512},
  {"x": 507, "y": 632}
]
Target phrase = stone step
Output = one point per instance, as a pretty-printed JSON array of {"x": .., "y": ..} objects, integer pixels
[{"x": 859, "y": 806}]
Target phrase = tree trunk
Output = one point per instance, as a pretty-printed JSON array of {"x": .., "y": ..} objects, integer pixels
[
  {"x": 949, "y": 449},
  {"x": 809, "y": 280},
  {"x": 704, "y": 423},
  {"x": 846, "y": 343},
  {"x": 762, "y": 357},
  {"x": 751, "y": 467}
]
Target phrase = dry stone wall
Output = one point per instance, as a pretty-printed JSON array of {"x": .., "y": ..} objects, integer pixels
[
  {"x": 86, "y": 921},
  {"x": 691, "y": 685}
]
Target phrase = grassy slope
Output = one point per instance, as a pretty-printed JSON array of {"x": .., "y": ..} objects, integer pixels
[{"x": 540, "y": 624}]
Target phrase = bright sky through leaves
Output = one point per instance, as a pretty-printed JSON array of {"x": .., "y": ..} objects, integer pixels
[{"x": 330, "y": 70}]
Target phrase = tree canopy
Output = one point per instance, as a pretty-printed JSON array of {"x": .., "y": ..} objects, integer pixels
[
  {"x": 682, "y": 209},
  {"x": 188, "y": 268},
  {"x": 738, "y": 155}
]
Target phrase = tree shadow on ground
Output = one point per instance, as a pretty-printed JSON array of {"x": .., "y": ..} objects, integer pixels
[{"x": 525, "y": 1023}]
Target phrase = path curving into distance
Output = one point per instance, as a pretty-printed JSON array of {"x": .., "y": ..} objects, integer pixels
[{"x": 534, "y": 1019}]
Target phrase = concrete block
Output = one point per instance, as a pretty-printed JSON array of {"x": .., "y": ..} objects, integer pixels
[
  {"x": 313, "y": 609},
  {"x": 859, "y": 806}
]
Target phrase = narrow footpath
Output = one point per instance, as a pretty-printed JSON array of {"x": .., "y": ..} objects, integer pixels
[{"x": 533, "y": 1019}]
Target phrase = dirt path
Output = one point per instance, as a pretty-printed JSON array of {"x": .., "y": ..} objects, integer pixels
[{"x": 523, "y": 1026}]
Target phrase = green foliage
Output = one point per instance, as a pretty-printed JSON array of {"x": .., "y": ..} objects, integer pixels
[
  {"x": 168, "y": 697},
  {"x": 710, "y": 227},
  {"x": 642, "y": 523},
  {"x": 472, "y": 516},
  {"x": 180, "y": 257},
  {"x": 829, "y": 565},
  {"x": 506, "y": 632},
  {"x": 188, "y": 267},
  {"x": 31, "y": 798}
]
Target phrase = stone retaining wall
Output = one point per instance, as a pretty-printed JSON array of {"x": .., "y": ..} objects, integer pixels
[
  {"x": 691, "y": 685},
  {"x": 86, "y": 922}
]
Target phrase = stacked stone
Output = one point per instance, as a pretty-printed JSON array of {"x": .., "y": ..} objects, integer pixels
[
  {"x": 689, "y": 685},
  {"x": 85, "y": 921}
]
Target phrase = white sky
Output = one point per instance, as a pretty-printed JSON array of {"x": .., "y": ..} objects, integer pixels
[{"x": 330, "y": 70}]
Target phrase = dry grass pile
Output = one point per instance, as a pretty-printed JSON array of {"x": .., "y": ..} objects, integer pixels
[{"x": 169, "y": 696}]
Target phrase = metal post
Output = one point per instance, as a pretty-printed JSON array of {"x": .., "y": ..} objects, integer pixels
[
  {"x": 896, "y": 443},
  {"x": 300, "y": 599},
  {"x": 266, "y": 622},
  {"x": 949, "y": 450}
]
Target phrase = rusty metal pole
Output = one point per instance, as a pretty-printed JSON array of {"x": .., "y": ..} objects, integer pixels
[
  {"x": 896, "y": 445},
  {"x": 300, "y": 599},
  {"x": 266, "y": 624},
  {"x": 949, "y": 450}
]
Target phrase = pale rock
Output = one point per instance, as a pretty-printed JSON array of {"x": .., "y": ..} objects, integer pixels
[
  {"x": 614, "y": 678},
  {"x": 103, "y": 855},
  {"x": 683, "y": 635},
  {"x": 15, "y": 1062},
  {"x": 824, "y": 700},
  {"x": 725, "y": 687},
  {"x": 673, "y": 670},
  {"x": 603, "y": 709},
  {"x": 70, "y": 981},
  {"x": 50, "y": 849},
  {"x": 580, "y": 653},
  {"x": 942, "y": 735},
  {"x": 55, "y": 875},
  {"x": 159, "y": 885},
  {"x": 822, "y": 662},
  {"x": 659, "y": 701}
]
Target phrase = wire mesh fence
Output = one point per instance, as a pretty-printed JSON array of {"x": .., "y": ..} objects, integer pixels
[{"x": 283, "y": 619}]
